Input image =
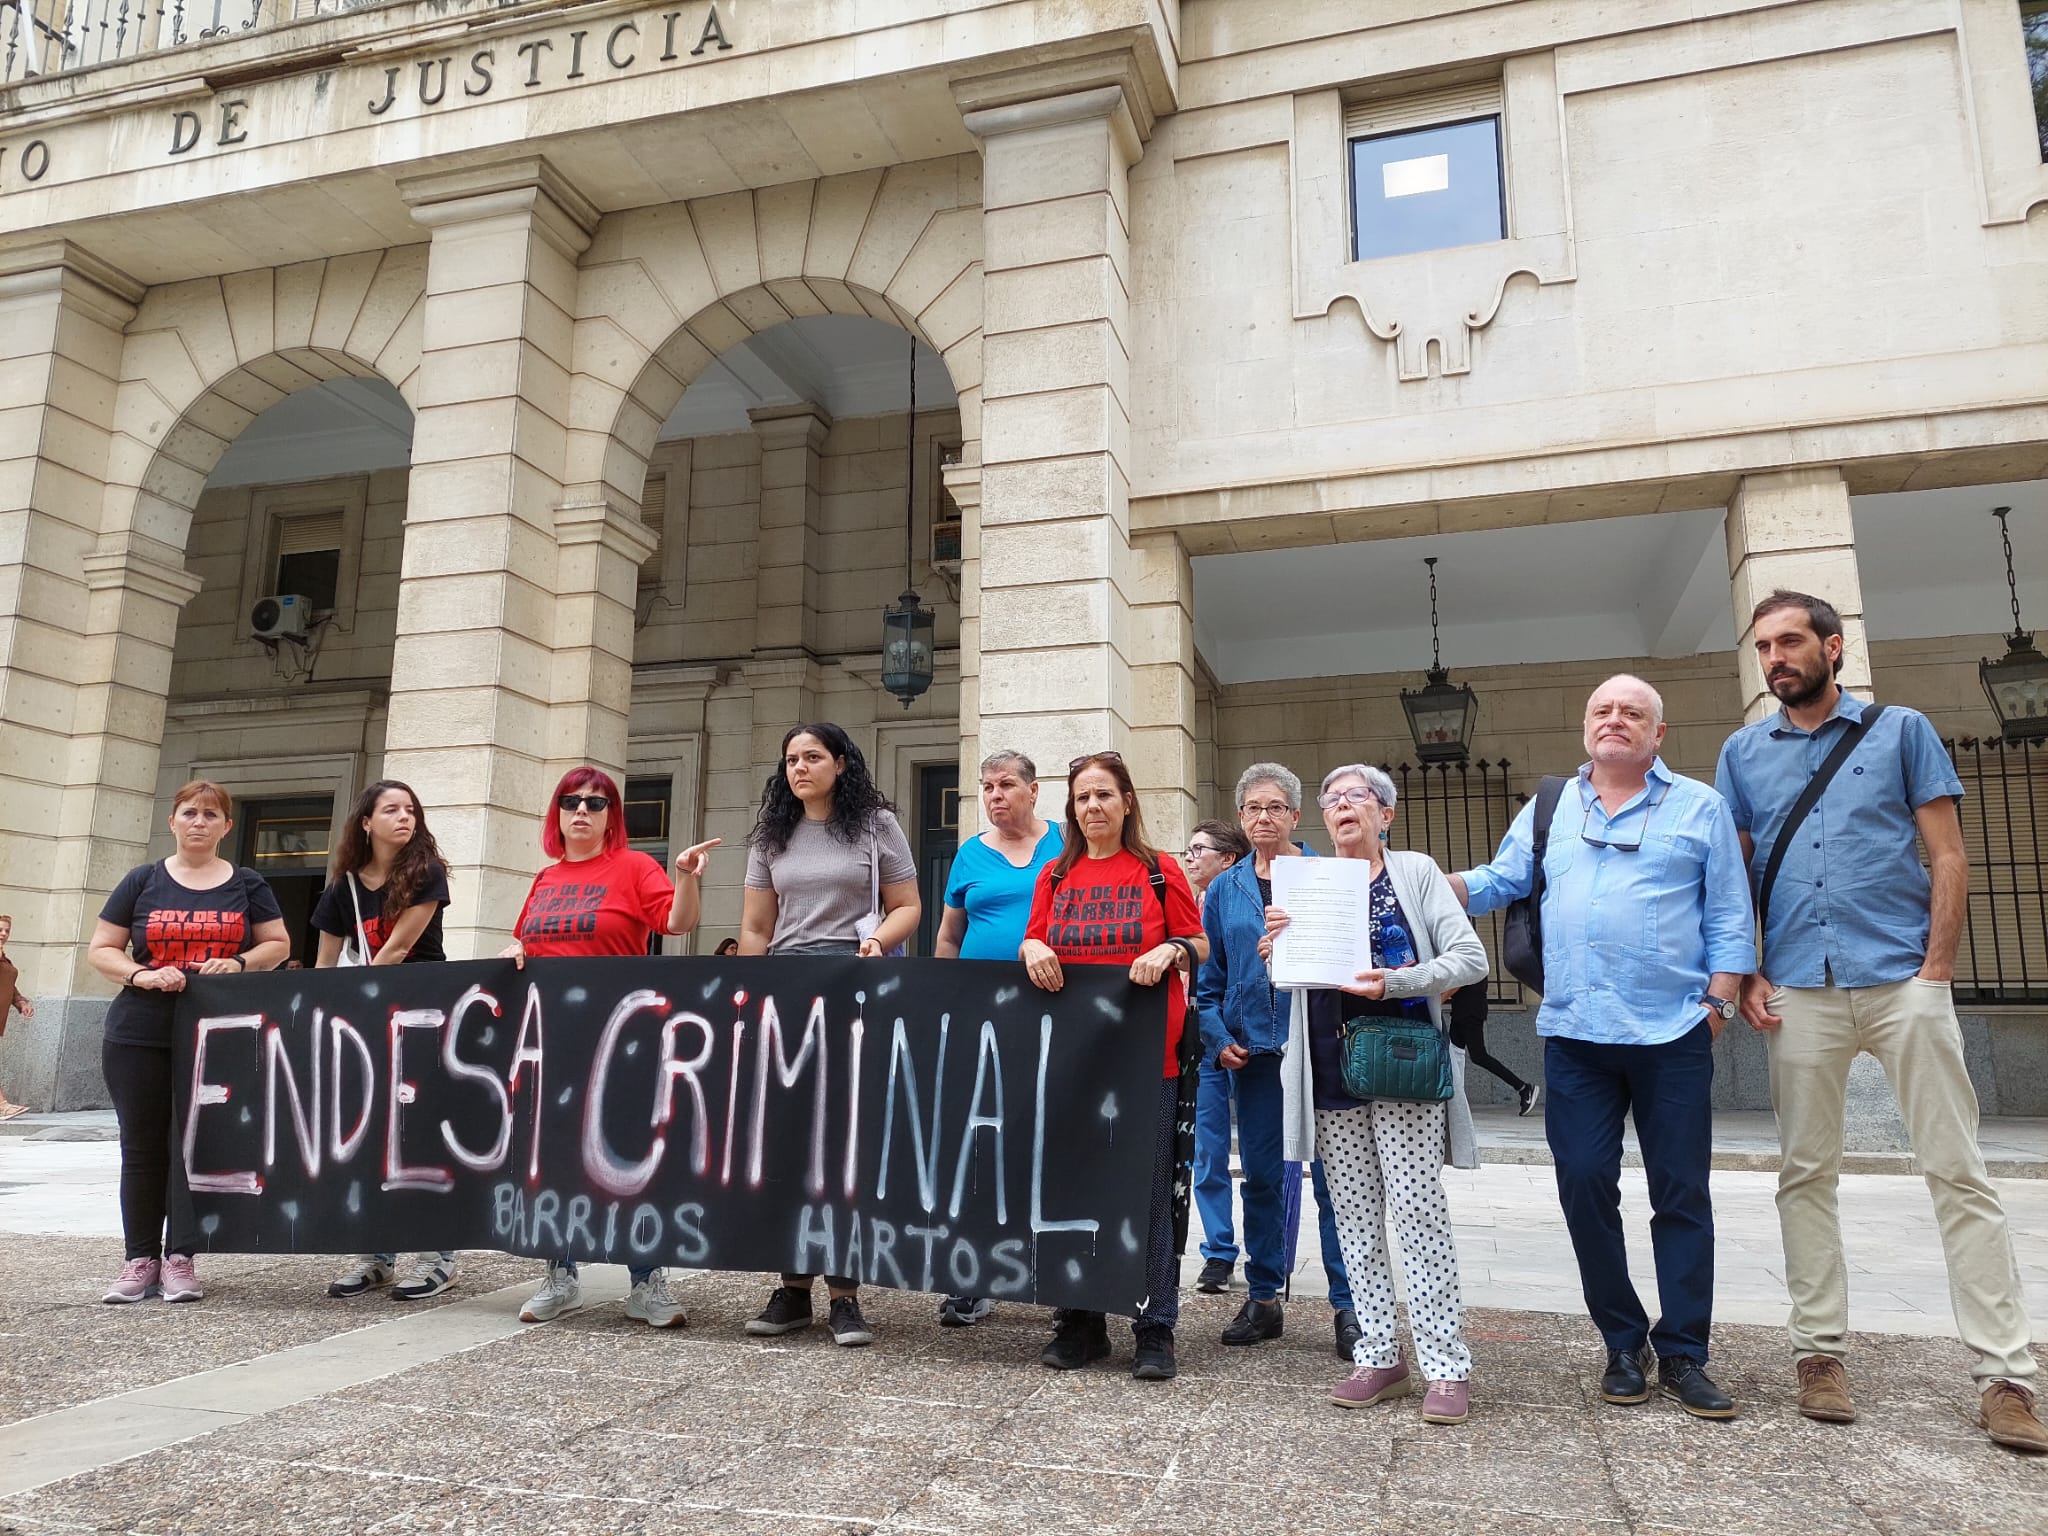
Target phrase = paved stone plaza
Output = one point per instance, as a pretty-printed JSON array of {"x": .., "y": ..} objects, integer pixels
[{"x": 275, "y": 1409}]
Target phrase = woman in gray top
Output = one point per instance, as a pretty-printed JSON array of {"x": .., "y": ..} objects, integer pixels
[{"x": 825, "y": 859}]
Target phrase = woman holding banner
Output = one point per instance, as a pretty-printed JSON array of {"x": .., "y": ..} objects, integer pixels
[
  {"x": 988, "y": 902},
  {"x": 1107, "y": 870},
  {"x": 829, "y": 872},
  {"x": 599, "y": 898},
  {"x": 383, "y": 907},
  {"x": 193, "y": 911},
  {"x": 1384, "y": 1155}
]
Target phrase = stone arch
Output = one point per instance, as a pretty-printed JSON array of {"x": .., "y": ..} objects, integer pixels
[
  {"x": 202, "y": 359},
  {"x": 663, "y": 291}
]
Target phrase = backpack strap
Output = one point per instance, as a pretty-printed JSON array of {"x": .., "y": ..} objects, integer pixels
[
  {"x": 1548, "y": 792},
  {"x": 1852, "y": 733}
]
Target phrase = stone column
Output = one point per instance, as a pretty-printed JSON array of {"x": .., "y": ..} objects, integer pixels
[
  {"x": 514, "y": 645},
  {"x": 1792, "y": 529},
  {"x": 1059, "y": 638},
  {"x": 87, "y": 623},
  {"x": 963, "y": 483},
  {"x": 787, "y": 583},
  {"x": 1163, "y": 755}
]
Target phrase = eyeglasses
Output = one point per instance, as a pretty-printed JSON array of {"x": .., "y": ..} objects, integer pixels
[
  {"x": 1275, "y": 810},
  {"x": 1337, "y": 797},
  {"x": 584, "y": 802},
  {"x": 1086, "y": 758},
  {"x": 1586, "y": 806},
  {"x": 1200, "y": 848}
]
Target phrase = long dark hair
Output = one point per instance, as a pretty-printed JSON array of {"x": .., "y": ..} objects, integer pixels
[
  {"x": 1076, "y": 845},
  {"x": 855, "y": 800},
  {"x": 417, "y": 862}
]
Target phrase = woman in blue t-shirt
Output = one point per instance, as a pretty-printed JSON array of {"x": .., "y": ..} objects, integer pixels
[
  {"x": 988, "y": 901},
  {"x": 383, "y": 907}
]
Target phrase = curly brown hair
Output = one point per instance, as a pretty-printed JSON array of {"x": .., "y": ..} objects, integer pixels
[{"x": 418, "y": 861}]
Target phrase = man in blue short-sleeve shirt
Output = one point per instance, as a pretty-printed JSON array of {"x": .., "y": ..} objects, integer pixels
[{"x": 1858, "y": 953}]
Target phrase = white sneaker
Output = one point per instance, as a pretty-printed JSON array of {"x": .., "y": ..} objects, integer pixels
[
  {"x": 431, "y": 1277},
  {"x": 369, "y": 1273},
  {"x": 652, "y": 1304},
  {"x": 560, "y": 1292}
]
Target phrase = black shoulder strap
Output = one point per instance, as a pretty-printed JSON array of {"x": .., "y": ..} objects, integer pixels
[
  {"x": 1548, "y": 792},
  {"x": 1808, "y": 798}
]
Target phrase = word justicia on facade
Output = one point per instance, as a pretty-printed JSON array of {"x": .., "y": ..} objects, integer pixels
[
  {"x": 548, "y": 59},
  {"x": 916, "y": 1126}
]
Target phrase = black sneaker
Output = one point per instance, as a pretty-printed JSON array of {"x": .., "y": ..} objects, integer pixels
[
  {"x": 1214, "y": 1279},
  {"x": 1348, "y": 1333},
  {"x": 1077, "y": 1338},
  {"x": 788, "y": 1311},
  {"x": 848, "y": 1326},
  {"x": 964, "y": 1311},
  {"x": 1527, "y": 1098},
  {"x": 1688, "y": 1381},
  {"x": 1623, "y": 1380},
  {"x": 1155, "y": 1360},
  {"x": 1256, "y": 1322}
]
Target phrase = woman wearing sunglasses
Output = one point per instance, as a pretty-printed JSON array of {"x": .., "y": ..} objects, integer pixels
[
  {"x": 1106, "y": 865},
  {"x": 600, "y": 897},
  {"x": 1384, "y": 1157}
]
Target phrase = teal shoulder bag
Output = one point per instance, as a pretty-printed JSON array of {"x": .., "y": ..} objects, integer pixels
[{"x": 1396, "y": 1059}]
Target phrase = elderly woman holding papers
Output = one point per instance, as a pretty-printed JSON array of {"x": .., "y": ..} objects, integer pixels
[{"x": 1370, "y": 1083}]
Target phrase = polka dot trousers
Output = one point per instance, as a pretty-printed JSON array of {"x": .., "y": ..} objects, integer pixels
[{"x": 1386, "y": 1159}]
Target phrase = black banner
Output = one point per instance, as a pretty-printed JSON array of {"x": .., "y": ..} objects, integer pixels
[{"x": 926, "y": 1126}]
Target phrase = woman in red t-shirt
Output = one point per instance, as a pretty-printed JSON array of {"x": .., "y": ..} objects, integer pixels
[
  {"x": 600, "y": 897},
  {"x": 1096, "y": 904}
]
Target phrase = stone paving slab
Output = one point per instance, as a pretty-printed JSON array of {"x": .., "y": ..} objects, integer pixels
[{"x": 594, "y": 1424}]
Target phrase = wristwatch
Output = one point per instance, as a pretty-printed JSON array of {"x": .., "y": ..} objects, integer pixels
[{"x": 1720, "y": 1005}]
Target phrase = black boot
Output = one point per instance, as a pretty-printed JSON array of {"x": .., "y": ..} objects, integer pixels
[
  {"x": 1688, "y": 1381},
  {"x": 1624, "y": 1381},
  {"x": 1077, "y": 1338},
  {"x": 1256, "y": 1322}
]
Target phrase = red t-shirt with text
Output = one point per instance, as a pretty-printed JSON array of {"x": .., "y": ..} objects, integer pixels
[
  {"x": 608, "y": 905},
  {"x": 1104, "y": 912}
]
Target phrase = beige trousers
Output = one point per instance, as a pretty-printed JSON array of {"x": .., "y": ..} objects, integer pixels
[{"x": 1910, "y": 1027}]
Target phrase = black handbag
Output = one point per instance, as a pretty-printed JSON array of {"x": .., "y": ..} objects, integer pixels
[
  {"x": 1521, "y": 936},
  {"x": 1387, "y": 1058}
]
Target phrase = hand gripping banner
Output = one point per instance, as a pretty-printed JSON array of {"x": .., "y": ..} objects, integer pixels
[{"x": 927, "y": 1126}]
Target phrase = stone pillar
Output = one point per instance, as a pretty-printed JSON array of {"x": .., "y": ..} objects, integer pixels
[
  {"x": 1163, "y": 756},
  {"x": 1059, "y": 636},
  {"x": 787, "y": 585},
  {"x": 87, "y": 623},
  {"x": 1792, "y": 529},
  {"x": 963, "y": 483},
  {"x": 514, "y": 645}
]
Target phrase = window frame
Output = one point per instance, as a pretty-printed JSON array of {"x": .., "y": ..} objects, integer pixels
[{"x": 1353, "y": 139}]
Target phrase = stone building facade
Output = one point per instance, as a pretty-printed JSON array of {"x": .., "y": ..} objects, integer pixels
[{"x": 569, "y": 353}]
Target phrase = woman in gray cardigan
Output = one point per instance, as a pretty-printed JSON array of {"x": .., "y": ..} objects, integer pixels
[{"x": 1385, "y": 1157}]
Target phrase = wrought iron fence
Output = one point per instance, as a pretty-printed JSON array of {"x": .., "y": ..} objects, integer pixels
[
  {"x": 2003, "y": 957},
  {"x": 1458, "y": 813}
]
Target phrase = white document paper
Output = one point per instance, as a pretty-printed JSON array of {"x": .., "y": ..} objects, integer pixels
[{"x": 1328, "y": 937}]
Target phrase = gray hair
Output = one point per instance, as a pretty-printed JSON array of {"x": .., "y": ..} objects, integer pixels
[
  {"x": 1656, "y": 698},
  {"x": 1285, "y": 779},
  {"x": 1376, "y": 779},
  {"x": 1026, "y": 769}
]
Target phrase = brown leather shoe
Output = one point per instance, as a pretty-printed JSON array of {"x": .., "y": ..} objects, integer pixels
[
  {"x": 1824, "y": 1390},
  {"x": 2008, "y": 1415}
]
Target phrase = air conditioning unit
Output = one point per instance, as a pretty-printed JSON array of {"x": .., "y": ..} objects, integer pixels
[{"x": 282, "y": 617}]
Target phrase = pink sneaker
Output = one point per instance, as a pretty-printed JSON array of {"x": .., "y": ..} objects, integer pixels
[
  {"x": 137, "y": 1279},
  {"x": 1371, "y": 1384},
  {"x": 180, "y": 1279},
  {"x": 1446, "y": 1402}
]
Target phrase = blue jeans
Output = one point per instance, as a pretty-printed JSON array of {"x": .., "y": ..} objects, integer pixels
[
  {"x": 1259, "y": 1113},
  {"x": 1589, "y": 1088},
  {"x": 1212, "y": 1163},
  {"x": 639, "y": 1272}
]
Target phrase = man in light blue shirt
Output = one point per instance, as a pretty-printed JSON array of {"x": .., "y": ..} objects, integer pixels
[
  {"x": 1646, "y": 935},
  {"x": 1859, "y": 949}
]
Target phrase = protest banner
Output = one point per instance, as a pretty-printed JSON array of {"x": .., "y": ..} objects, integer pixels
[{"x": 916, "y": 1125}]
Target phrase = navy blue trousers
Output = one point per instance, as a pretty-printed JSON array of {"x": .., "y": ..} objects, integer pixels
[{"x": 1589, "y": 1089}]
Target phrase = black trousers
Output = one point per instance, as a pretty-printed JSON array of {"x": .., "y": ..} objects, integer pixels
[
  {"x": 153, "y": 1192},
  {"x": 1468, "y": 1034}
]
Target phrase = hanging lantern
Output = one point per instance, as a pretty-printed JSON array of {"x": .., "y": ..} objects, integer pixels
[
  {"x": 2017, "y": 683},
  {"x": 1440, "y": 715},
  {"x": 907, "y": 648}
]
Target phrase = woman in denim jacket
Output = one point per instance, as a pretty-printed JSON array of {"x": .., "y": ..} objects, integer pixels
[{"x": 1244, "y": 1031}]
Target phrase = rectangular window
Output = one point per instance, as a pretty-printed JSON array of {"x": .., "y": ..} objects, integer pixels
[
  {"x": 647, "y": 818},
  {"x": 1426, "y": 189},
  {"x": 2034, "y": 28},
  {"x": 309, "y": 558}
]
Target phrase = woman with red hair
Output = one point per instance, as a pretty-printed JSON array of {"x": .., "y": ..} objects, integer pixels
[{"x": 600, "y": 897}]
